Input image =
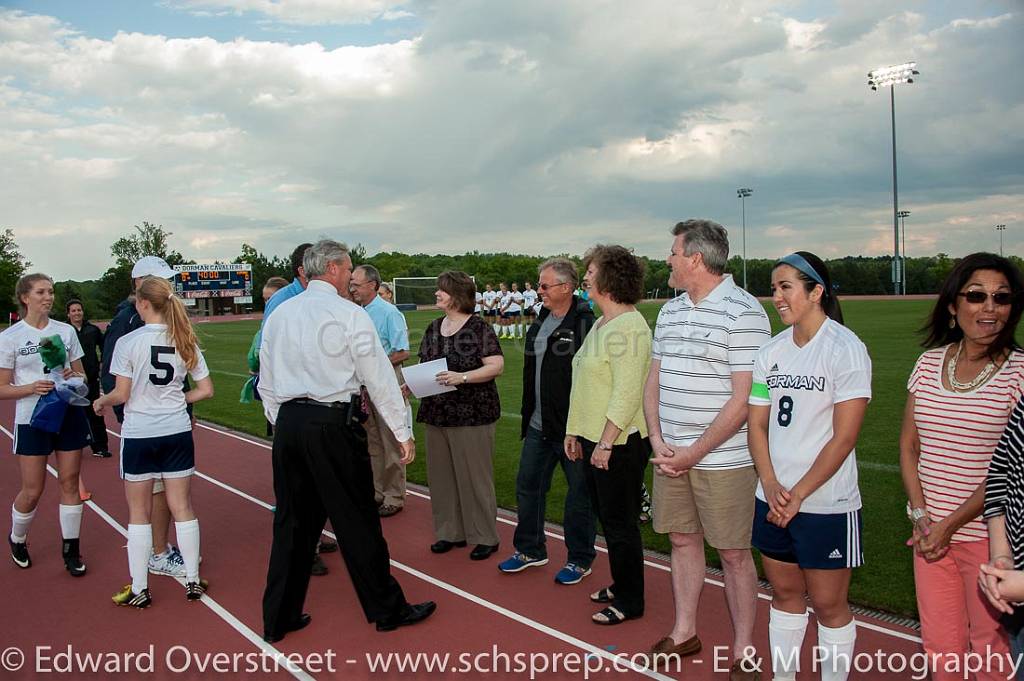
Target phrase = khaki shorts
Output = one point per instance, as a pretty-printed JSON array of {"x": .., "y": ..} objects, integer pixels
[{"x": 717, "y": 504}]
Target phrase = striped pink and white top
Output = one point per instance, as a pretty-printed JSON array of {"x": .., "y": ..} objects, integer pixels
[{"x": 958, "y": 433}]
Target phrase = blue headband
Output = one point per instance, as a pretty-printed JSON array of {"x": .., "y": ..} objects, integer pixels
[{"x": 799, "y": 262}]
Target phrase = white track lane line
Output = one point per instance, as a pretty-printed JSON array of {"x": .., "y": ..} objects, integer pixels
[
  {"x": 657, "y": 566},
  {"x": 232, "y": 621}
]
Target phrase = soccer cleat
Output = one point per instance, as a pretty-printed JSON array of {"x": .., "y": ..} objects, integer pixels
[
  {"x": 195, "y": 590},
  {"x": 571, "y": 574},
  {"x": 19, "y": 553},
  {"x": 127, "y": 598},
  {"x": 72, "y": 558},
  {"x": 518, "y": 562},
  {"x": 168, "y": 563}
]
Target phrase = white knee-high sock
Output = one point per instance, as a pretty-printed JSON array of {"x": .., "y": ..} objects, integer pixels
[
  {"x": 496, "y": 328},
  {"x": 71, "y": 521},
  {"x": 140, "y": 547},
  {"x": 836, "y": 647},
  {"x": 786, "y": 636},
  {"x": 20, "y": 522},
  {"x": 188, "y": 544}
]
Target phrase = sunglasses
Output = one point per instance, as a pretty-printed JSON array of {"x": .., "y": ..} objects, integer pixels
[
  {"x": 978, "y": 297},
  {"x": 545, "y": 287}
]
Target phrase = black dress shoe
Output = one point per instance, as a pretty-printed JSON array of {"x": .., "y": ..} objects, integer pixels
[
  {"x": 444, "y": 546},
  {"x": 482, "y": 551},
  {"x": 301, "y": 623},
  {"x": 410, "y": 614}
]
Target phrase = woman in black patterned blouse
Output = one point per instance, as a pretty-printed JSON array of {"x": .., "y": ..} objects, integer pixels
[{"x": 460, "y": 424}]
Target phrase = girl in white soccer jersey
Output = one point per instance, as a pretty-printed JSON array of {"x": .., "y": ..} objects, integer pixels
[
  {"x": 811, "y": 387},
  {"x": 23, "y": 377},
  {"x": 150, "y": 366}
]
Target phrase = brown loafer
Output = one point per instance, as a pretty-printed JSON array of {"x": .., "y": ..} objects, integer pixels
[
  {"x": 746, "y": 669},
  {"x": 666, "y": 650},
  {"x": 388, "y": 510}
]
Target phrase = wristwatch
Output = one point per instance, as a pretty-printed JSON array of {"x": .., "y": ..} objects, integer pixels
[
  {"x": 604, "y": 446},
  {"x": 916, "y": 514},
  {"x": 465, "y": 378}
]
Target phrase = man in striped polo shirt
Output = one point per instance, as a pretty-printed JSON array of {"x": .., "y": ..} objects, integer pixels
[{"x": 695, "y": 402}]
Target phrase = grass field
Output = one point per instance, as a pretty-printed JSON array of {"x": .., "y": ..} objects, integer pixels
[{"x": 888, "y": 328}]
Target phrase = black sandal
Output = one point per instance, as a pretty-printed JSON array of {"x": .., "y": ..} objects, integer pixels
[
  {"x": 610, "y": 615},
  {"x": 603, "y": 596}
]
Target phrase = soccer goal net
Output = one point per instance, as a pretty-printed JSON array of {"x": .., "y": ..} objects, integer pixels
[{"x": 415, "y": 290}]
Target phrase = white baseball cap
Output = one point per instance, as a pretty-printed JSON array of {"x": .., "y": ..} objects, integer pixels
[{"x": 152, "y": 266}]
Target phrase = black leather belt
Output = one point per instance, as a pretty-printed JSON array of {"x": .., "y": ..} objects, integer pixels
[{"x": 317, "y": 403}]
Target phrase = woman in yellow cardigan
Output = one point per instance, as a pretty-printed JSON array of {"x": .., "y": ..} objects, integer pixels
[{"x": 606, "y": 424}]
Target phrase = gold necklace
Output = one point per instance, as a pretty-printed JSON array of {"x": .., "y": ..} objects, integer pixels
[{"x": 982, "y": 376}]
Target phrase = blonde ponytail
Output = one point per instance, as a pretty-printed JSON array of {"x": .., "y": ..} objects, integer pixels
[{"x": 158, "y": 293}]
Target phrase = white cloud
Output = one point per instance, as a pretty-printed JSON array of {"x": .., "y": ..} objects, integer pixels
[
  {"x": 303, "y": 12},
  {"x": 561, "y": 124}
]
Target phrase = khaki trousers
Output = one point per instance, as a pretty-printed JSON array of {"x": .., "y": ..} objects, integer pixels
[
  {"x": 385, "y": 457},
  {"x": 460, "y": 472}
]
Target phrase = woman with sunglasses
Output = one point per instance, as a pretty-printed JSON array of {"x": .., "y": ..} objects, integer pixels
[{"x": 962, "y": 391}]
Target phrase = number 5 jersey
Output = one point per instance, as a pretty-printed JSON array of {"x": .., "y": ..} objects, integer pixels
[
  {"x": 802, "y": 385},
  {"x": 156, "y": 406}
]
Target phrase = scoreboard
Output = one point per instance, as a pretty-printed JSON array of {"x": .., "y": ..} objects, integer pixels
[{"x": 214, "y": 281}]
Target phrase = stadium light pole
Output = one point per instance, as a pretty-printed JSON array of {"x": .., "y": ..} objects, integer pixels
[
  {"x": 903, "y": 214},
  {"x": 742, "y": 193},
  {"x": 1000, "y": 229},
  {"x": 892, "y": 76}
]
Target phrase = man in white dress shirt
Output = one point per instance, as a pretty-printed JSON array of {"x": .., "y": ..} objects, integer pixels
[{"x": 317, "y": 350}]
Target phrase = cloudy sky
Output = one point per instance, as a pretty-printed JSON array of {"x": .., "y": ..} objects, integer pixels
[{"x": 531, "y": 126}]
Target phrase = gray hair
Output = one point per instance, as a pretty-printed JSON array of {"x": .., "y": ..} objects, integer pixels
[
  {"x": 372, "y": 274},
  {"x": 709, "y": 239},
  {"x": 321, "y": 253},
  {"x": 564, "y": 268}
]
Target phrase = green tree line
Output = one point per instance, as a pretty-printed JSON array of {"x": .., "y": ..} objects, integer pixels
[{"x": 851, "y": 275}]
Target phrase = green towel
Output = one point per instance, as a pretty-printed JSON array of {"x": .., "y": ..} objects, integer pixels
[
  {"x": 52, "y": 352},
  {"x": 246, "y": 396},
  {"x": 253, "y": 360}
]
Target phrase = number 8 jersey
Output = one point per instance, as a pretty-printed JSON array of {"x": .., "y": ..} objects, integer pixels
[
  {"x": 156, "y": 406},
  {"x": 801, "y": 385}
]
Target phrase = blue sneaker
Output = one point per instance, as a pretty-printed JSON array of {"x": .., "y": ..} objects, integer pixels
[
  {"x": 572, "y": 574},
  {"x": 518, "y": 562}
]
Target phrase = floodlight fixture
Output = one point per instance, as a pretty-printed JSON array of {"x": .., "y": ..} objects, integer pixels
[{"x": 893, "y": 75}]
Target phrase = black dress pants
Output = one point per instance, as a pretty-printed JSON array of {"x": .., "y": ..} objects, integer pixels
[
  {"x": 96, "y": 423},
  {"x": 322, "y": 469},
  {"x": 615, "y": 494}
]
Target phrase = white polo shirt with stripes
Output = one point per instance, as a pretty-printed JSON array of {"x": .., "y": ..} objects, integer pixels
[{"x": 699, "y": 347}]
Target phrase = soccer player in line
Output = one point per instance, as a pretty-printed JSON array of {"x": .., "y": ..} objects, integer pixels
[
  {"x": 503, "y": 301},
  {"x": 811, "y": 387},
  {"x": 515, "y": 312},
  {"x": 150, "y": 364},
  {"x": 23, "y": 377},
  {"x": 529, "y": 301},
  {"x": 489, "y": 311}
]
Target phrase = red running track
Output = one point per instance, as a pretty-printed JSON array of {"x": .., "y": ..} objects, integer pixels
[{"x": 488, "y": 623}]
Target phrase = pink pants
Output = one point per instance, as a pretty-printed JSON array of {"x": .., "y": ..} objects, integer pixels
[{"x": 955, "y": 616}]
